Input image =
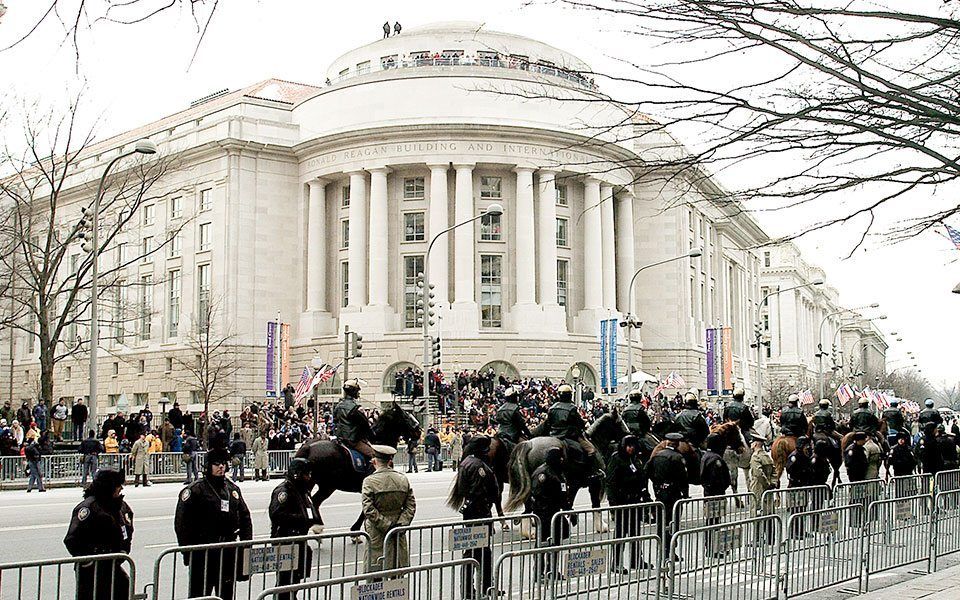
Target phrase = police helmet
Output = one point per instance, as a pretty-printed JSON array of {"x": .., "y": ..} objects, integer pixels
[
  {"x": 299, "y": 467},
  {"x": 928, "y": 402},
  {"x": 352, "y": 386},
  {"x": 509, "y": 393},
  {"x": 554, "y": 458},
  {"x": 565, "y": 391},
  {"x": 895, "y": 402},
  {"x": 793, "y": 400},
  {"x": 824, "y": 403},
  {"x": 863, "y": 401},
  {"x": 739, "y": 393},
  {"x": 691, "y": 400},
  {"x": 635, "y": 396}
]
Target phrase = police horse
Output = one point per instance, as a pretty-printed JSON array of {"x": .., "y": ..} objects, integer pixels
[
  {"x": 333, "y": 466},
  {"x": 729, "y": 431},
  {"x": 605, "y": 433}
]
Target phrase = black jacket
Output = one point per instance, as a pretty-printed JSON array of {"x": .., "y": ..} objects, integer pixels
[
  {"x": 200, "y": 520},
  {"x": 91, "y": 446},
  {"x": 548, "y": 494},
  {"x": 510, "y": 422},
  {"x": 291, "y": 511},
  {"x": 692, "y": 424},
  {"x": 894, "y": 420},
  {"x": 736, "y": 410},
  {"x": 626, "y": 479},
  {"x": 714, "y": 474},
  {"x": 864, "y": 419},
  {"x": 238, "y": 448},
  {"x": 793, "y": 421},
  {"x": 902, "y": 460},
  {"x": 669, "y": 470},
  {"x": 99, "y": 527},
  {"x": 350, "y": 424},
  {"x": 636, "y": 419},
  {"x": 79, "y": 414},
  {"x": 800, "y": 470},
  {"x": 478, "y": 486},
  {"x": 855, "y": 459}
]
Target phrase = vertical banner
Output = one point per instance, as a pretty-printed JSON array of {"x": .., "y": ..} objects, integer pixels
[
  {"x": 711, "y": 360},
  {"x": 612, "y": 328},
  {"x": 603, "y": 355},
  {"x": 727, "y": 345},
  {"x": 284, "y": 354},
  {"x": 271, "y": 357}
]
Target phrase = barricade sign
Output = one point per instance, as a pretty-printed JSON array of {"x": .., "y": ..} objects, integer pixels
[
  {"x": 607, "y": 522},
  {"x": 946, "y": 525},
  {"x": 268, "y": 559},
  {"x": 906, "y": 486},
  {"x": 898, "y": 533},
  {"x": 589, "y": 561},
  {"x": 104, "y": 576},
  {"x": 469, "y": 537},
  {"x": 701, "y": 512},
  {"x": 389, "y": 589},
  {"x": 823, "y": 548},
  {"x": 729, "y": 560},
  {"x": 790, "y": 501},
  {"x": 861, "y": 493}
]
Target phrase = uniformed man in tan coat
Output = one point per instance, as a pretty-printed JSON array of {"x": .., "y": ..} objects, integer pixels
[
  {"x": 388, "y": 502},
  {"x": 762, "y": 476}
]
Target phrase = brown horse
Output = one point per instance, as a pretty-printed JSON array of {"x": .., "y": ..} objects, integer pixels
[
  {"x": 729, "y": 431},
  {"x": 783, "y": 447}
]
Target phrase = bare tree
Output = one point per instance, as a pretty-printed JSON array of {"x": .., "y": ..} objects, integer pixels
[
  {"x": 908, "y": 384},
  {"x": 44, "y": 274},
  {"x": 949, "y": 395}
]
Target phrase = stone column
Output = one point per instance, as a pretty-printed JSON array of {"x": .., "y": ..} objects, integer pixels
[
  {"x": 526, "y": 247},
  {"x": 464, "y": 259},
  {"x": 438, "y": 221},
  {"x": 378, "y": 236},
  {"x": 357, "y": 252},
  {"x": 626, "y": 261},
  {"x": 592, "y": 247},
  {"x": 608, "y": 248},
  {"x": 316, "y": 246},
  {"x": 547, "y": 221}
]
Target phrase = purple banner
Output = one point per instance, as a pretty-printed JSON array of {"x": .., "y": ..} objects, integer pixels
[
  {"x": 271, "y": 359},
  {"x": 711, "y": 359}
]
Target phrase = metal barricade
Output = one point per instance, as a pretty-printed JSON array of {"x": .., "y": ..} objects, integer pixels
[
  {"x": 102, "y": 576},
  {"x": 608, "y": 522},
  {"x": 732, "y": 560},
  {"x": 859, "y": 493},
  {"x": 824, "y": 548},
  {"x": 592, "y": 571},
  {"x": 898, "y": 533},
  {"x": 790, "y": 501},
  {"x": 946, "y": 525},
  {"x": 703, "y": 512},
  {"x": 449, "y": 540},
  {"x": 250, "y": 566},
  {"x": 947, "y": 481},
  {"x": 906, "y": 486},
  {"x": 451, "y": 580}
]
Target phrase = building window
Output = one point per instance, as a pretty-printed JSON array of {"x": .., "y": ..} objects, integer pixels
[
  {"x": 344, "y": 283},
  {"x": 174, "y": 246},
  {"x": 562, "y": 266},
  {"x": 490, "y": 228},
  {"x": 413, "y": 188},
  {"x": 141, "y": 366},
  {"x": 412, "y": 267},
  {"x": 388, "y": 62},
  {"x": 141, "y": 399},
  {"x": 176, "y": 208},
  {"x": 113, "y": 399},
  {"x": 342, "y": 74},
  {"x": 204, "y": 237},
  {"x": 690, "y": 218},
  {"x": 148, "y": 215},
  {"x": 116, "y": 369},
  {"x": 345, "y": 233},
  {"x": 703, "y": 301},
  {"x": 146, "y": 248},
  {"x": 68, "y": 371},
  {"x": 491, "y": 301},
  {"x": 693, "y": 298},
  {"x": 413, "y": 227},
  {"x": 562, "y": 195},
  {"x": 169, "y": 366},
  {"x": 173, "y": 303},
  {"x": 146, "y": 306},
  {"x": 206, "y": 199},
  {"x": 203, "y": 298},
  {"x": 363, "y": 67},
  {"x": 562, "y": 232},
  {"x": 766, "y": 259},
  {"x": 118, "y": 304},
  {"x": 345, "y": 196},
  {"x": 490, "y": 187}
]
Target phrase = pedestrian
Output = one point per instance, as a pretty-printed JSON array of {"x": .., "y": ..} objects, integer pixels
[
  {"x": 549, "y": 495},
  {"x": 668, "y": 474},
  {"x": 189, "y": 457},
  {"x": 261, "y": 461},
  {"x": 110, "y": 444},
  {"x": 431, "y": 446},
  {"x": 412, "y": 455},
  {"x": 211, "y": 511},
  {"x": 855, "y": 458},
  {"x": 101, "y": 524},
  {"x": 761, "y": 469},
  {"x": 238, "y": 456},
  {"x": 40, "y": 415},
  {"x": 166, "y": 435},
  {"x": 388, "y": 502},
  {"x": 176, "y": 442},
  {"x": 386, "y": 30},
  {"x": 139, "y": 452},
  {"x": 90, "y": 450},
  {"x": 292, "y": 513},
  {"x": 33, "y": 456},
  {"x": 78, "y": 415},
  {"x": 396, "y": 28},
  {"x": 626, "y": 483},
  {"x": 59, "y": 418},
  {"x": 456, "y": 449},
  {"x": 474, "y": 494}
]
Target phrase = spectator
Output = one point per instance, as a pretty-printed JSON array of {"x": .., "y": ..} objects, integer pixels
[
  {"x": 59, "y": 418},
  {"x": 175, "y": 415},
  {"x": 456, "y": 448},
  {"x": 139, "y": 452},
  {"x": 396, "y": 28},
  {"x": 176, "y": 442},
  {"x": 156, "y": 445},
  {"x": 33, "y": 434},
  {"x": 260, "y": 458},
  {"x": 7, "y": 411},
  {"x": 24, "y": 414},
  {"x": 166, "y": 435},
  {"x": 412, "y": 456},
  {"x": 190, "y": 448},
  {"x": 90, "y": 450},
  {"x": 238, "y": 454},
  {"x": 33, "y": 456},
  {"x": 110, "y": 444},
  {"x": 16, "y": 432},
  {"x": 79, "y": 414},
  {"x": 431, "y": 445},
  {"x": 40, "y": 415}
]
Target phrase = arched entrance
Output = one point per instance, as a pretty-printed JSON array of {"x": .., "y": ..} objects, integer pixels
[
  {"x": 390, "y": 383},
  {"x": 501, "y": 367},
  {"x": 587, "y": 375}
]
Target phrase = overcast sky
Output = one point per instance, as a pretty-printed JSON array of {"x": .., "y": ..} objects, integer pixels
[{"x": 136, "y": 74}]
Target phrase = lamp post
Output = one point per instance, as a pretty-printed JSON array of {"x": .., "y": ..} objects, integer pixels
[
  {"x": 820, "y": 352},
  {"x": 758, "y": 334},
  {"x": 92, "y": 246},
  {"x": 426, "y": 303},
  {"x": 839, "y": 329},
  {"x": 631, "y": 323}
]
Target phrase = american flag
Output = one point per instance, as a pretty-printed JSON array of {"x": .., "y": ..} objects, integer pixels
[
  {"x": 674, "y": 380},
  {"x": 806, "y": 397},
  {"x": 954, "y": 235},
  {"x": 303, "y": 386},
  {"x": 325, "y": 373},
  {"x": 845, "y": 394}
]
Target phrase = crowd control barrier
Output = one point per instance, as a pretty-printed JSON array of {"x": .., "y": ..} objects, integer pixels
[
  {"x": 790, "y": 501},
  {"x": 946, "y": 525},
  {"x": 947, "y": 481},
  {"x": 451, "y": 580},
  {"x": 626, "y": 569},
  {"x": 907, "y": 486},
  {"x": 898, "y": 533},
  {"x": 731, "y": 560},
  {"x": 824, "y": 548},
  {"x": 104, "y": 576},
  {"x": 861, "y": 493},
  {"x": 703, "y": 512},
  {"x": 607, "y": 522},
  {"x": 251, "y": 566}
]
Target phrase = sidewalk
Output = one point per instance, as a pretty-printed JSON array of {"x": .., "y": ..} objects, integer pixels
[{"x": 941, "y": 585}]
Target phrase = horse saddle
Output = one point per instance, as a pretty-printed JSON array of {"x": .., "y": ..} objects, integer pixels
[{"x": 358, "y": 460}]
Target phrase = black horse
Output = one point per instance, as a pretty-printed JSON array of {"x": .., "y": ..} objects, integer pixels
[{"x": 331, "y": 463}]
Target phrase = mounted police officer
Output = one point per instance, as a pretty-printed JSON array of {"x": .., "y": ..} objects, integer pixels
[
  {"x": 292, "y": 513},
  {"x": 865, "y": 420},
  {"x": 474, "y": 494},
  {"x": 511, "y": 426},
  {"x": 929, "y": 415},
  {"x": 549, "y": 494},
  {"x": 736, "y": 410},
  {"x": 565, "y": 423},
  {"x": 792, "y": 420},
  {"x": 635, "y": 416},
  {"x": 350, "y": 425},
  {"x": 824, "y": 423},
  {"x": 893, "y": 417},
  {"x": 667, "y": 471},
  {"x": 691, "y": 422}
]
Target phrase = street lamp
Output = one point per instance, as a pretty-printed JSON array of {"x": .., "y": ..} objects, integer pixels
[
  {"x": 91, "y": 244},
  {"x": 956, "y": 289},
  {"x": 758, "y": 333},
  {"x": 820, "y": 353},
  {"x": 631, "y": 323},
  {"x": 494, "y": 210}
]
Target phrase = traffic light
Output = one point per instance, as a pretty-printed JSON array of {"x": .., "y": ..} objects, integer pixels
[
  {"x": 85, "y": 227},
  {"x": 425, "y": 307},
  {"x": 435, "y": 351},
  {"x": 354, "y": 343}
]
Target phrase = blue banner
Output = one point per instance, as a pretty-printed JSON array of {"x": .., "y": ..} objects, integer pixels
[
  {"x": 612, "y": 349},
  {"x": 603, "y": 354}
]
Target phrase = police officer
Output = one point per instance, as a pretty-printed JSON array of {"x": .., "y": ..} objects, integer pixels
[
  {"x": 626, "y": 483},
  {"x": 474, "y": 493},
  {"x": 792, "y": 420},
  {"x": 292, "y": 513},
  {"x": 901, "y": 458},
  {"x": 388, "y": 502},
  {"x": 691, "y": 422},
  {"x": 511, "y": 426},
  {"x": 635, "y": 416},
  {"x": 211, "y": 511},
  {"x": 823, "y": 422},
  {"x": 101, "y": 524},
  {"x": 928, "y": 449},
  {"x": 929, "y": 415},
  {"x": 549, "y": 495},
  {"x": 714, "y": 474},
  {"x": 893, "y": 417},
  {"x": 800, "y": 467},
  {"x": 667, "y": 471},
  {"x": 865, "y": 420},
  {"x": 565, "y": 423},
  {"x": 736, "y": 410},
  {"x": 855, "y": 457},
  {"x": 350, "y": 425}
]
